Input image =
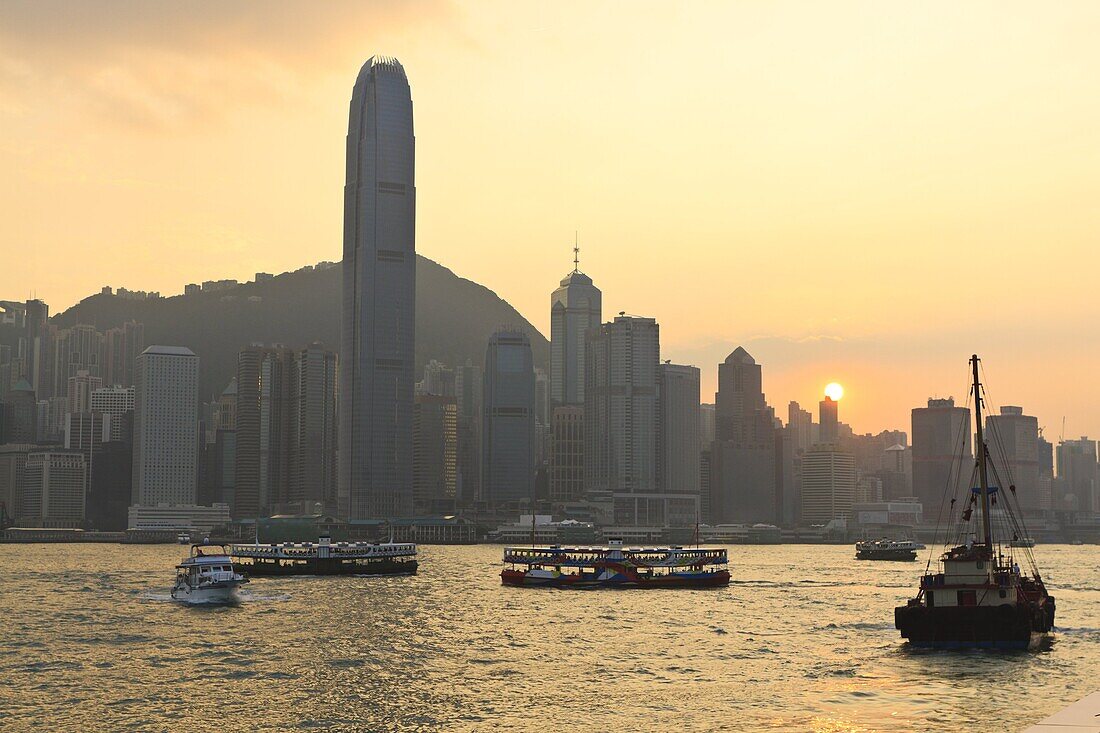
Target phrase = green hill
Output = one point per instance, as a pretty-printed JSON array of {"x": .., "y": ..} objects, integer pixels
[{"x": 454, "y": 318}]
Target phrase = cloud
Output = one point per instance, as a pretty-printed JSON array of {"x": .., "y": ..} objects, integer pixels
[{"x": 155, "y": 64}]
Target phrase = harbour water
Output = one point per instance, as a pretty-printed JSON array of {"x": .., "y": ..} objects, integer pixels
[{"x": 802, "y": 640}]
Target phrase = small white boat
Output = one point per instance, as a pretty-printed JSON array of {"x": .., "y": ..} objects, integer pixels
[{"x": 207, "y": 576}]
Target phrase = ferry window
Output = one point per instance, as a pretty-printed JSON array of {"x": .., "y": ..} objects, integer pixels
[
  {"x": 967, "y": 597},
  {"x": 981, "y": 564}
]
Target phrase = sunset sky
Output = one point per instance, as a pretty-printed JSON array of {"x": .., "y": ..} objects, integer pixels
[{"x": 861, "y": 192}]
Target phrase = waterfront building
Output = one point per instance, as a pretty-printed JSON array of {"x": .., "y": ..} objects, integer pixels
[
  {"x": 742, "y": 463},
  {"x": 379, "y": 297},
  {"x": 567, "y": 454},
  {"x": 13, "y": 465},
  {"x": 435, "y": 454},
  {"x": 941, "y": 452},
  {"x": 110, "y": 486},
  {"x": 620, "y": 414},
  {"x": 54, "y": 485},
  {"x": 828, "y": 484},
  {"x": 576, "y": 308},
  {"x": 508, "y": 425},
  {"x": 166, "y": 426},
  {"x": 1013, "y": 440},
  {"x": 178, "y": 517}
]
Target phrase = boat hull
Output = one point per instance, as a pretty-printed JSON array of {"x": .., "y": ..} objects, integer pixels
[
  {"x": 896, "y": 555},
  {"x": 323, "y": 566},
  {"x": 975, "y": 627},
  {"x": 216, "y": 594},
  {"x": 520, "y": 578}
]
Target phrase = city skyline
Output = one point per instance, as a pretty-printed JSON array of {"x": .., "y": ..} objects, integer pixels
[{"x": 868, "y": 190}]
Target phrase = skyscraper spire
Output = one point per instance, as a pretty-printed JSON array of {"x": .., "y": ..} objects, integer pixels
[{"x": 576, "y": 254}]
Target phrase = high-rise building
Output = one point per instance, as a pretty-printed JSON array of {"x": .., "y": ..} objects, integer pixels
[
  {"x": 377, "y": 372},
  {"x": 54, "y": 484},
  {"x": 468, "y": 385},
  {"x": 800, "y": 423},
  {"x": 435, "y": 454},
  {"x": 706, "y": 425},
  {"x": 941, "y": 452},
  {"x": 1078, "y": 476},
  {"x": 122, "y": 347},
  {"x": 742, "y": 462},
  {"x": 20, "y": 415},
  {"x": 87, "y": 432},
  {"x": 828, "y": 484},
  {"x": 508, "y": 432},
  {"x": 678, "y": 435},
  {"x": 567, "y": 454},
  {"x": 439, "y": 380},
  {"x": 78, "y": 349},
  {"x": 225, "y": 416},
  {"x": 166, "y": 426},
  {"x": 620, "y": 415},
  {"x": 81, "y": 386},
  {"x": 829, "y": 432},
  {"x": 116, "y": 402},
  {"x": 1013, "y": 440},
  {"x": 576, "y": 308},
  {"x": 110, "y": 486},
  {"x": 13, "y": 465},
  {"x": 312, "y": 463},
  {"x": 284, "y": 442}
]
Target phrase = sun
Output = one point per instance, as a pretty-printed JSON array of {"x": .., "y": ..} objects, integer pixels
[{"x": 834, "y": 391}]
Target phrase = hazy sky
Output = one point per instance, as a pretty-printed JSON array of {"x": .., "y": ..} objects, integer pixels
[{"x": 860, "y": 192}]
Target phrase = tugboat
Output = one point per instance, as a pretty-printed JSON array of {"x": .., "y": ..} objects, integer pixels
[
  {"x": 887, "y": 550},
  {"x": 207, "y": 576},
  {"x": 980, "y": 598},
  {"x": 615, "y": 566}
]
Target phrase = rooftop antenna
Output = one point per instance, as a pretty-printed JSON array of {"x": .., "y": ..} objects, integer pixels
[{"x": 576, "y": 253}]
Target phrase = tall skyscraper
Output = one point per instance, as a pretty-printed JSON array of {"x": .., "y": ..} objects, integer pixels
[
  {"x": 742, "y": 462},
  {"x": 468, "y": 385},
  {"x": 166, "y": 423},
  {"x": 435, "y": 454},
  {"x": 1013, "y": 439},
  {"x": 377, "y": 373},
  {"x": 575, "y": 308},
  {"x": 122, "y": 346},
  {"x": 116, "y": 402},
  {"x": 678, "y": 434},
  {"x": 941, "y": 432},
  {"x": 620, "y": 416},
  {"x": 508, "y": 433},
  {"x": 829, "y": 420},
  {"x": 567, "y": 454},
  {"x": 828, "y": 484}
]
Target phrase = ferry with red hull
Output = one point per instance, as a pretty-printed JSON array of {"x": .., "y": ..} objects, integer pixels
[
  {"x": 980, "y": 598},
  {"x": 615, "y": 566}
]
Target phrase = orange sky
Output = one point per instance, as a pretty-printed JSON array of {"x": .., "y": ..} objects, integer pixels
[{"x": 815, "y": 181}]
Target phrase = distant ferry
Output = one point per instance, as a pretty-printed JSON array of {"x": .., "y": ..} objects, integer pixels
[
  {"x": 615, "y": 566},
  {"x": 327, "y": 558},
  {"x": 887, "y": 550},
  {"x": 207, "y": 576}
]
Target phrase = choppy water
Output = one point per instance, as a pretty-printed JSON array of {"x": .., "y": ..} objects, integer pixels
[{"x": 802, "y": 640}]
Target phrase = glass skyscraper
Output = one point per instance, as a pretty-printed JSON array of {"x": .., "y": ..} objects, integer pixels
[{"x": 376, "y": 360}]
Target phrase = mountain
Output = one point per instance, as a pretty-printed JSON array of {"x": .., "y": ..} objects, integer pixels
[{"x": 454, "y": 318}]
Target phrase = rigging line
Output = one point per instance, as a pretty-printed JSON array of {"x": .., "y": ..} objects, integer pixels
[{"x": 955, "y": 471}]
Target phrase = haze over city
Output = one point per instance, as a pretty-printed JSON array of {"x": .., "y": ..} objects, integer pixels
[{"x": 814, "y": 182}]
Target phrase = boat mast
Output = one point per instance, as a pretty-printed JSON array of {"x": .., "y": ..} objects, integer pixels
[{"x": 983, "y": 481}]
